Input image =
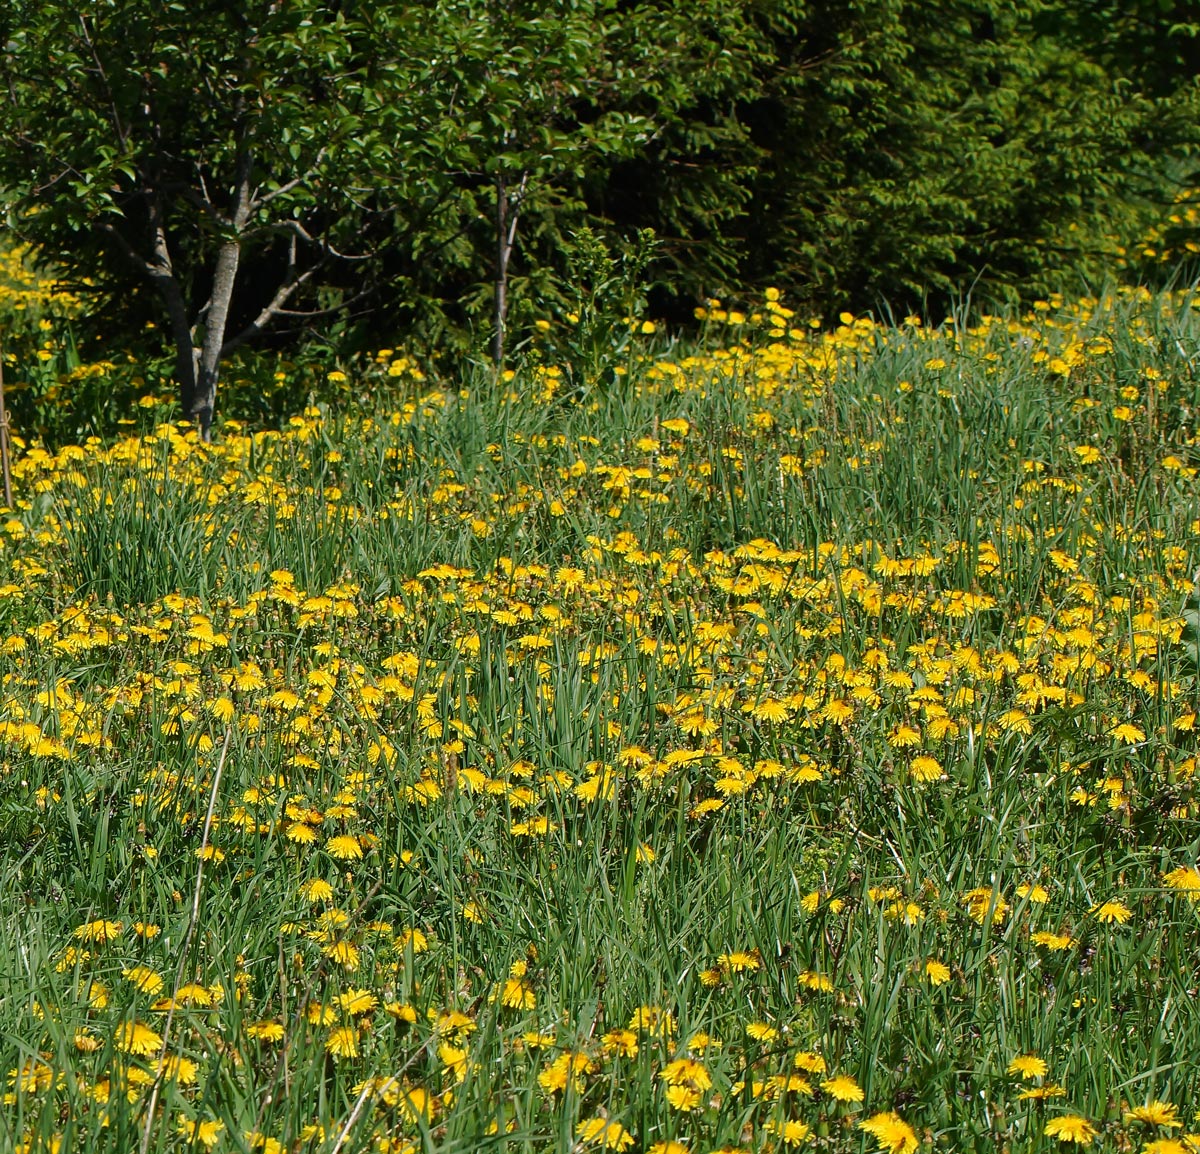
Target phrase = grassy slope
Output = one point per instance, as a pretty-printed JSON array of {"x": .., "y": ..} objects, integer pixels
[{"x": 652, "y": 747}]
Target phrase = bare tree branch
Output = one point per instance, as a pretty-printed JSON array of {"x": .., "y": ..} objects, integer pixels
[
  {"x": 332, "y": 310},
  {"x": 118, "y": 127},
  {"x": 203, "y": 202},
  {"x": 150, "y": 269},
  {"x": 283, "y": 294},
  {"x": 297, "y": 230},
  {"x": 257, "y": 202}
]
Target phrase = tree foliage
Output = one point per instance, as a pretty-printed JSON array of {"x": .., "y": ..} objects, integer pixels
[
  {"x": 197, "y": 148},
  {"x": 892, "y": 150},
  {"x": 240, "y": 169}
]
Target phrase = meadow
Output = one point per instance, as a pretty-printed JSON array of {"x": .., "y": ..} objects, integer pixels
[{"x": 783, "y": 742}]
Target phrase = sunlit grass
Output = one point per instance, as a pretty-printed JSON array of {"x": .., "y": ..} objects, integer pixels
[{"x": 783, "y": 743}]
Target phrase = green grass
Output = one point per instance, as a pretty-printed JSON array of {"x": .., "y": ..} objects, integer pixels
[{"x": 526, "y": 639}]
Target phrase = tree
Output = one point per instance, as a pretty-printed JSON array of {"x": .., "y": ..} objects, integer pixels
[
  {"x": 268, "y": 164},
  {"x": 894, "y": 150},
  {"x": 546, "y": 98},
  {"x": 259, "y": 164},
  {"x": 971, "y": 138},
  {"x": 560, "y": 96},
  {"x": 188, "y": 142}
]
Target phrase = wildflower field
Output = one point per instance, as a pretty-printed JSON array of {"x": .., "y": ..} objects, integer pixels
[{"x": 784, "y": 743}]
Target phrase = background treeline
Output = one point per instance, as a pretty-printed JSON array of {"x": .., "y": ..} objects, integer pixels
[{"x": 449, "y": 171}]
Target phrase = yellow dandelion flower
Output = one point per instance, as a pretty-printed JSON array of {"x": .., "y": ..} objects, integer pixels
[
  {"x": 417, "y": 1104},
  {"x": 1016, "y": 721},
  {"x": 316, "y": 890},
  {"x": 266, "y": 1144},
  {"x": 454, "y": 1059},
  {"x": 517, "y": 994},
  {"x": 739, "y": 960},
  {"x": 1172, "y": 1146},
  {"x": 1042, "y": 1093},
  {"x": 683, "y": 1098},
  {"x": 412, "y": 938},
  {"x": 1127, "y": 733},
  {"x": 96, "y": 994},
  {"x": 686, "y": 1072},
  {"x": 782, "y": 1084},
  {"x": 567, "y": 1069},
  {"x": 32, "y": 1078},
  {"x": 206, "y": 1134},
  {"x": 194, "y": 994},
  {"x": 891, "y": 1132},
  {"x": 810, "y": 1061},
  {"x": 318, "y": 1015},
  {"x": 790, "y": 1132},
  {"x": 100, "y": 932},
  {"x": 144, "y": 979},
  {"x": 653, "y": 1020},
  {"x": 843, "y": 1088},
  {"x": 401, "y": 1011},
  {"x": 345, "y": 953},
  {"x": 1028, "y": 1066},
  {"x": 621, "y": 1043},
  {"x": 342, "y": 1042},
  {"x": 907, "y": 913},
  {"x": 771, "y": 710},
  {"x": 1071, "y": 1128},
  {"x": 982, "y": 901},
  {"x": 838, "y": 711},
  {"x": 1052, "y": 941},
  {"x": 604, "y": 1133},
  {"x": 1185, "y": 879},
  {"x": 1156, "y": 1114},
  {"x": 937, "y": 972},
  {"x": 265, "y": 1031},
  {"x": 344, "y": 847},
  {"x": 357, "y": 1001},
  {"x": 811, "y": 980},
  {"x": 451, "y": 1022},
  {"x": 904, "y": 736},
  {"x": 72, "y": 957},
  {"x": 135, "y": 1038},
  {"x": 179, "y": 1069},
  {"x": 1112, "y": 911}
]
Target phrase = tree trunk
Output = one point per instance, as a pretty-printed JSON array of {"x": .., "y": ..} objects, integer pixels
[
  {"x": 503, "y": 251},
  {"x": 161, "y": 270},
  {"x": 216, "y": 315},
  {"x": 508, "y": 211},
  {"x": 204, "y": 395},
  {"x": 187, "y": 356}
]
